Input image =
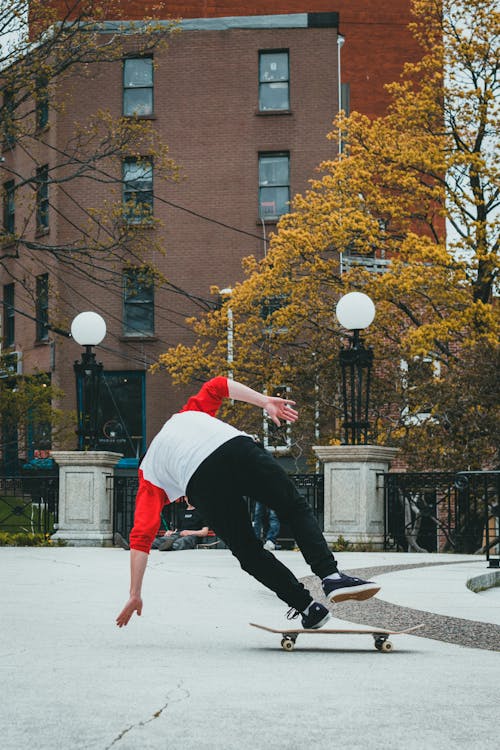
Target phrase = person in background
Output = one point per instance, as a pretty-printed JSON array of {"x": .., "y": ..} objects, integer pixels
[
  {"x": 191, "y": 529},
  {"x": 261, "y": 514}
]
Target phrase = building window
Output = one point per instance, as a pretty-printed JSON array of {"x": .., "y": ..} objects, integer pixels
[
  {"x": 138, "y": 303},
  {"x": 121, "y": 413},
  {"x": 137, "y": 190},
  {"x": 345, "y": 98},
  {"x": 269, "y": 306},
  {"x": 42, "y": 197},
  {"x": 42, "y": 103},
  {"x": 418, "y": 382},
  {"x": 9, "y": 136},
  {"x": 276, "y": 439},
  {"x": 42, "y": 307},
  {"x": 274, "y": 81},
  {"x": 9, "y": 330},
  {"x": 138, "y": 86},
  {"x": 9, "y": 207},
  {"x": 274, "y": 185}
]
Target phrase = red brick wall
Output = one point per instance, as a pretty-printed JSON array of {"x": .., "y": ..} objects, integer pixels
[{"x": 377, "y": 44}]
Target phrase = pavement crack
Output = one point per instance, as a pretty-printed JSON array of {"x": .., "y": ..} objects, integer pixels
[{"x": 174, "y": 696}]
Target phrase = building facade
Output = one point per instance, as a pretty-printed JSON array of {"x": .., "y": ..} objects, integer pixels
[{"x": 244, "y": 100}]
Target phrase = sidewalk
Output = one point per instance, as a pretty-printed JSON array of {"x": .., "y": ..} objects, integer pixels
[{"x": 191, "y": 673}]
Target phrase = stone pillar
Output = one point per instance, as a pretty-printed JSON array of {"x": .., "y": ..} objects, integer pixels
[
  {"x": 85, "y": 505},
  {"x": 354, "y": 498}
]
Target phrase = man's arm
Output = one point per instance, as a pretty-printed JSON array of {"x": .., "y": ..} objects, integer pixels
[
  {"x": 195, "y": 532},
  {"x": 277, "y": 408},
  {"x": 138, "y": 562}
]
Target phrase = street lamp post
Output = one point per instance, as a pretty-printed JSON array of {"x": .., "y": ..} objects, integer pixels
[
  {"x": 88, "y": 329},
  {"x": 225, "y": 294},
  {"x": 355, "y": 311}
]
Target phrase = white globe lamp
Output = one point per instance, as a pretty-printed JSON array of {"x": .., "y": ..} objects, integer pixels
[{"x": 355, "y": 311}]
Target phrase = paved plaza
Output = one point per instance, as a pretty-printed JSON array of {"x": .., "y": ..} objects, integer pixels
[{"x": 191, "y": 673}]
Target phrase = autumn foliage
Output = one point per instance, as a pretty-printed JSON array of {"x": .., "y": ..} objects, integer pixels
[{"x": 419, "y": 188}]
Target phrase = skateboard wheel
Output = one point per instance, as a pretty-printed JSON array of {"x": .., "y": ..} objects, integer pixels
[
  {"x": 287, "y": 644},
  {"x": 382, "y": 644}
]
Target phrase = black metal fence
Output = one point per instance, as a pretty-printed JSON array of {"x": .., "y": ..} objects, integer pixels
[
  {"x": 29, "y": 504},
  {"x": 124, "y": 488},
  {"x": 441, "y": 512}
]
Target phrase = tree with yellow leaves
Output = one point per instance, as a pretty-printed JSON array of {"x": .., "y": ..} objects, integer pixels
[{"x": 409, "y": 214}]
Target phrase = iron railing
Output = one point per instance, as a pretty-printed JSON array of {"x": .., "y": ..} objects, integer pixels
[
  {"x": 124, "y": 488},
  {"x": 29, "y": 504},
  {"x": 442, "y": 511}
]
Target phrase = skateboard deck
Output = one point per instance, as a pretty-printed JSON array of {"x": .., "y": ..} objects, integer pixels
[{"x": 380, "y": 636}]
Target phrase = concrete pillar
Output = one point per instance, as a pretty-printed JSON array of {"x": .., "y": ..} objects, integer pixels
[
  {"x": 354, "y": 498},
  {"x": 85, "y": 505}
]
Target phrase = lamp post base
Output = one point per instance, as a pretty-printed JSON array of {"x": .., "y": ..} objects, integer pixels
[
  {"x": 85, "y": 501},
  {"x": 354, "y": 497}
]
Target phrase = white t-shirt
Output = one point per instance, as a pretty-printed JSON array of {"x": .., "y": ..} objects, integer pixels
[{"x": 183, "y": 443}]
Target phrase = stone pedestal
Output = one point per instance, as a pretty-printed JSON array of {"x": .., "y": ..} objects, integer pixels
[
  {"x": 354, "y": 498},
  {"x": 85, "y": 504}
]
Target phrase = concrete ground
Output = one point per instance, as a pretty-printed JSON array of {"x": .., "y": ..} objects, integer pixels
[{"x": 191, "y": 673}]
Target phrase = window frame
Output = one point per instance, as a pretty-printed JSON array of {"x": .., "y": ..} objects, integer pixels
[
  {"x": 9, "y": 315},
  {"x": 270, "y": 216},
  {"x": 270, "y": 431},
  {"x": 136, "y": 88},
  {"x": 8, "y": 128},
  {"x": 42, "y": 307},
  {"x": 128, "y": 300},
  {"x": 267, "y": 84},
  {"x": 9, "y": 207},
  {"x": 42, "y": 198},
  {"x": 141, "y": 217},
  {"x": 42, "y": 103}
]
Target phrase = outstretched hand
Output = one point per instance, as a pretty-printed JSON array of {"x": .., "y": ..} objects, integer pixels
[
  {"x": 280, "y": 408},
  {"x": 134, "y": 604}
]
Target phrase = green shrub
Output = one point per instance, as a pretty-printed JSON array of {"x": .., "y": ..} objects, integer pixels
[
  {"x": 341, "y": 545},
  {"x": 25, "y": 539}
]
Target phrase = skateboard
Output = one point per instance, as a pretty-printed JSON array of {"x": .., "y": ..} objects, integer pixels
[{"x": 380, "y": 636}]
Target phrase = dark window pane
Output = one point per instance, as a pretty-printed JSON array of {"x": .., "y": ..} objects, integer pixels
[
  {"x": 42, "y": 197},
  {"x": 138, "y": 303},
  {"x": 8, "y": 315},
  {"x": 273, "y": 66},
  {"x": 138, "y": 102},
  {"x": 9, "y": 207},
  {"x": 42, "y": 103},
  {"x": 42, "y": 307},
  {"x": 137, "y": 190},
  {"x": 274, "y": 96},
  {"x": 274, "y": 81},
  {"x": 273, "y": 170},
  {"x": 138, "y": 72},
  {"x": 121, "y": 413},
  {"x": 274, "y": 201},
  {"x": 138, "y": 86}
]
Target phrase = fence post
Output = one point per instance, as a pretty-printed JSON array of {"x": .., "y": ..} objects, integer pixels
[
  {"x": 354, "y": 505},
  {"x": 85, "y": 507}
]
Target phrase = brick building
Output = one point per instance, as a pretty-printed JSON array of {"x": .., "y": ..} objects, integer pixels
[{"x": 244, "y": 101}]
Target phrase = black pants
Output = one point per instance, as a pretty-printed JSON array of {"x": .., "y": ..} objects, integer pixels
[{"x": 218, "y": 488}]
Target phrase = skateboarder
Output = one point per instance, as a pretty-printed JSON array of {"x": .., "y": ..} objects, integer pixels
[{"x": 216, "y": 466}]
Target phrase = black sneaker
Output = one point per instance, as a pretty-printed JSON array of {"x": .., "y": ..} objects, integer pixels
[
  {"x": 348, "y": 587},
  {"x": 119, "y": 541},
  {"x": 315, "y": 618}
]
